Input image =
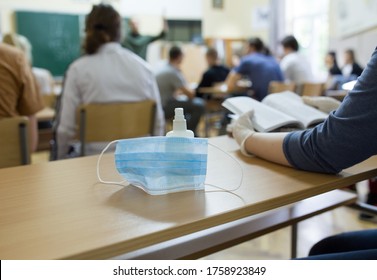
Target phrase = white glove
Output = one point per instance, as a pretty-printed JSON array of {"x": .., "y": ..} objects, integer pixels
[
  {"x": 323, "y": 103},
  {"x": 243, "y": 129}
]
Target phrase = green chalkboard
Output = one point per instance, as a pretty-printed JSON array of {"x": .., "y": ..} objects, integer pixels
[{"x": 55, "y": 38}]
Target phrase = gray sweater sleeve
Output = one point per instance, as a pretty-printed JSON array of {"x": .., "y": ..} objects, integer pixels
[{"x": 348, "y": 136}]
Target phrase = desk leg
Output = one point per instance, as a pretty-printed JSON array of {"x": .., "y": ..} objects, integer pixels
[{"x": 294, "y": 240}]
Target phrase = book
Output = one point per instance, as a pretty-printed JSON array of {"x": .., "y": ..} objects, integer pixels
[{"x": 276, "y": 111}]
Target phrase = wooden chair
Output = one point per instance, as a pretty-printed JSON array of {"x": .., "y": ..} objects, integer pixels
[
  {"x": 276, "y": 86},
  {"x": 14, "y": 142},
  {"x": 49, "y": 100},
  {"x": 111, "y": 121},
  {"x": 312, "y": 89}
]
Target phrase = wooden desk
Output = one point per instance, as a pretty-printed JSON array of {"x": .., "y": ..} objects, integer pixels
[
  {"x": 46, "y": 114},
  {"x": 218, "y": 94},
  {"x": 222, "y": 90},
  {"x": 337, "y": 94},
  {"x": 58, "y": 210}
]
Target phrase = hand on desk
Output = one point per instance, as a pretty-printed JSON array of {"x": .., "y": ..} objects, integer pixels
[
  {"x": 243, "y": 129},
  {"x": 323, "y": 103}
]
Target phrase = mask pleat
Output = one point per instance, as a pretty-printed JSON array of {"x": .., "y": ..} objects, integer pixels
[{"x": 161, "y": 156}]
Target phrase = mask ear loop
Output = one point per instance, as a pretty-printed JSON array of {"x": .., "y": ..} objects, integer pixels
[
  {"x": 239, "y": 165},
  {"x": 98, "y": 163}
]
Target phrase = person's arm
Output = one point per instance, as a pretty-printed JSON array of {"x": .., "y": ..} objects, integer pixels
[
  {"x": 232, "y": 79},
  {"x": 179, "y": 83},
  {"x": 345, "y": 138},
  {"x": 30, "y": 101},
  {"x": 70, "y": 100},
  {"x": 161, "y": 35},
  {"x": 186, "y": 91},
  {"x": 33, "y": 126},
  {"x": 268, "y": 146},
  {"x": 206, "y": 81}
]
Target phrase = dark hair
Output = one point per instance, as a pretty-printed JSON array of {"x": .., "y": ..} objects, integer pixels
[
  {"x": 103, "y": 25},
  {"x": 333, "y": 56},
  {"x": 259, "y": 46},
  {"x": 212, "y": 52},
  {"x": 351, "y": 53},
  {"x": 334, "y": 68},
  {"x": 290, "y": 42},
  {"x": 175, "y": 52}
]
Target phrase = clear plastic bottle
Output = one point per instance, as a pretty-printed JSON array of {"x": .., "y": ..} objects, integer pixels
[{"x": 180, "y": 126}]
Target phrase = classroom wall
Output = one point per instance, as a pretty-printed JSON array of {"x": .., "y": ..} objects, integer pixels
[
  {"x": 237, "y": 19},
  {"x": 172, "y": 9},
  {"x": 7, "y": 7},
  {"x": 363, "y": 42},
  {"x": 149, "y": 13}
]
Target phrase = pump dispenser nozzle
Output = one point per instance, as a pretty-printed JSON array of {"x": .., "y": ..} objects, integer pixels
[{"x": 179, "y": 125}]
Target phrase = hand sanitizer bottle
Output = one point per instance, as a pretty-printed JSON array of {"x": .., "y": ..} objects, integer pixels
[{"x": 180, "y": 126}]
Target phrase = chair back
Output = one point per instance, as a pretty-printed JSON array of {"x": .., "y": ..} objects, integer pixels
[
  {"x": 312, "y": 89},
  {"x": 14, "y": 142},
  {"x": 276, "y": 86},
  {"x": 49, "y": 100},
  {"x": 109, "y": 121}
]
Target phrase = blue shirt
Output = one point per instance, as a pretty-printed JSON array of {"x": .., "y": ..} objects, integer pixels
[
  {"x": 349, "y": 134},
  {"x": 261, "y": 70}
]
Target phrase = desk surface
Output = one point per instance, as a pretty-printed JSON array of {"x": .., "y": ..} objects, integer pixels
[
  {"x": 46, "y": 114},
  {"x": 337, "y": 94},
  {"x": 222, "y": 89},
  {"x": 58, "y": 210}
]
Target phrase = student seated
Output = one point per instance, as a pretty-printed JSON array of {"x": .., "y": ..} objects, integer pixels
[
  {"x": 351, "y": 69},
  {"x": 295, "y": 66},
  {"x": 107, "y": 73},
  {"x": 43, "y": 76},
  {"x": 19, "y": 94},
  {"x": 345, "y": 138},
  {"x": 331, "y": 64},
  {"x": 215, "y": 73},
  {"x": 259, "y": 67},
  {"x": 175, "y": 91},
  {"x": 334, "y": 74}
]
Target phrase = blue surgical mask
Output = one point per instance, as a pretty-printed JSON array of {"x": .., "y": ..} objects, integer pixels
[{"x": 161, "y": 165}]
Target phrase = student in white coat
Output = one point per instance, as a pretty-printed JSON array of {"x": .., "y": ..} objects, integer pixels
[{"x": 107, "y": 73}]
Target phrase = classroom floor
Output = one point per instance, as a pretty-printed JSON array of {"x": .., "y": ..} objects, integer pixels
[{"x": 276, "y": 245}]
